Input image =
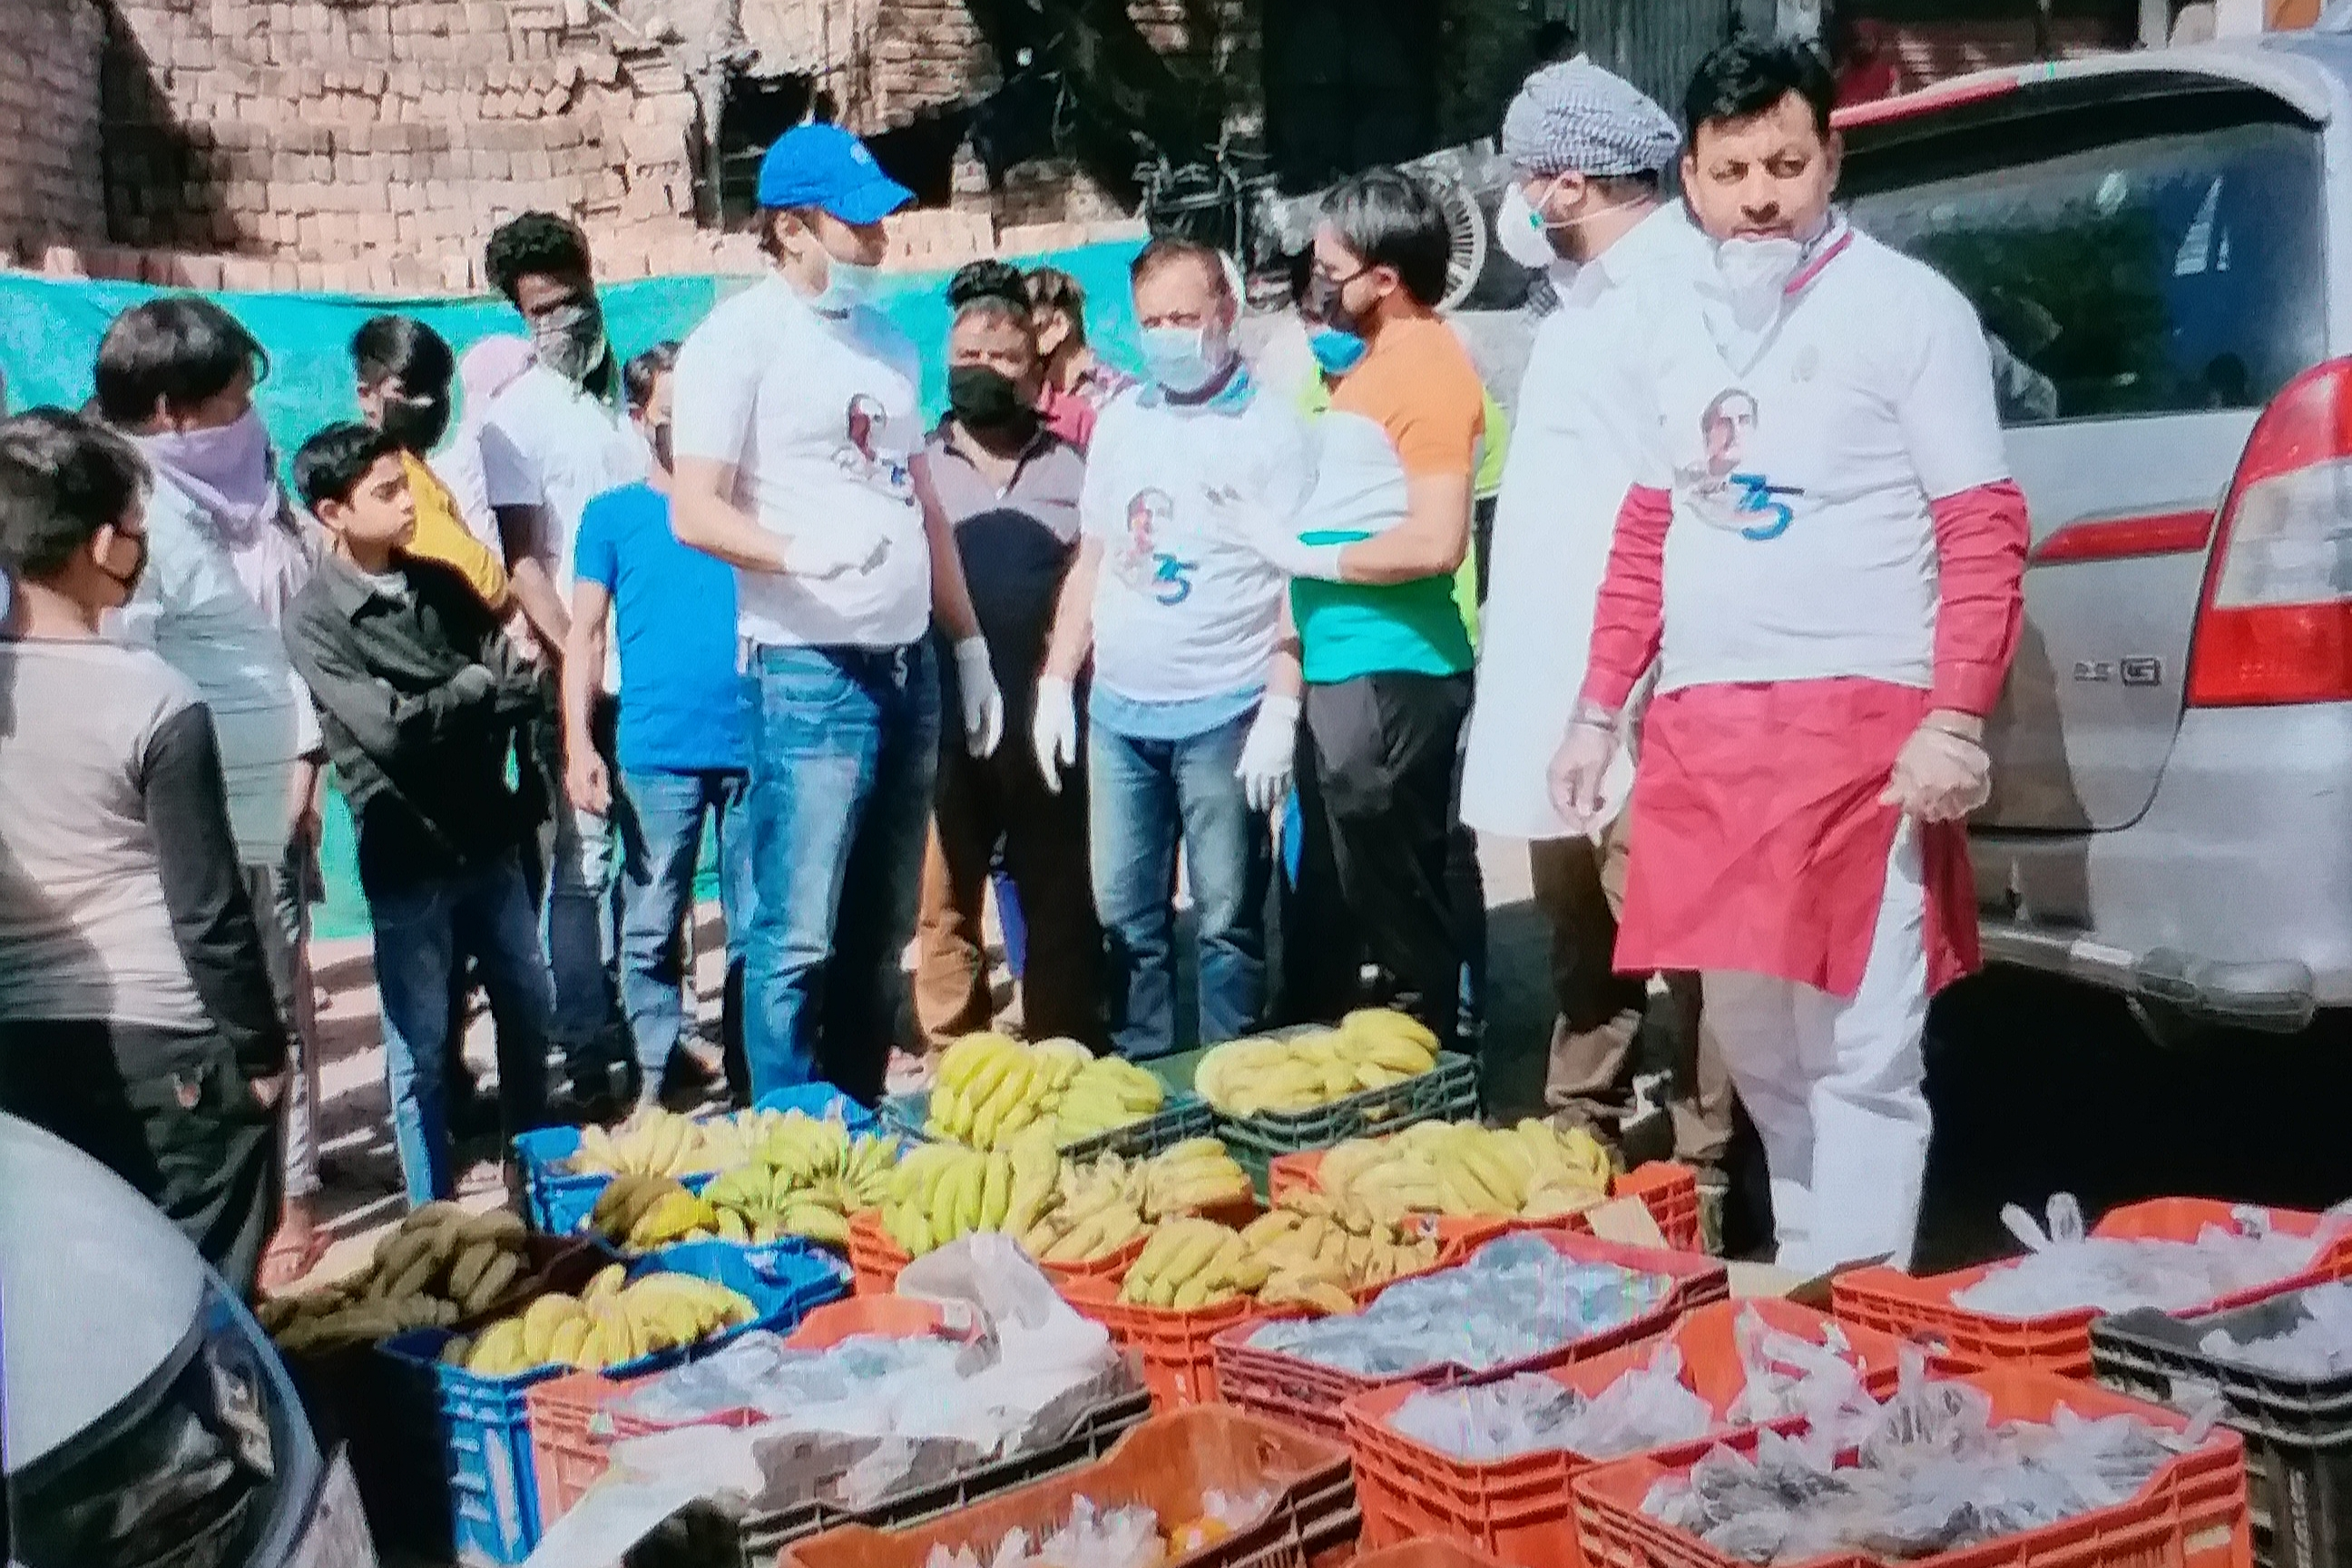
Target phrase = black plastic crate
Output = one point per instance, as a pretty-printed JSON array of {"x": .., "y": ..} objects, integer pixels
[
  {"x": 705, "y": 1536},
  {"x": 2298, "y": 1432},
  {"x": 1447, "y": 1092}
]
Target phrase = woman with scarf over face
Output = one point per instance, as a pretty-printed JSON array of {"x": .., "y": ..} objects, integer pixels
[
  {"x": 226, "y": 555},
  {"x": 1008, "y": 487}
]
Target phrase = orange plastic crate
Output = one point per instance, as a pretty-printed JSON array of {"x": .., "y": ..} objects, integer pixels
[
  {"x": 1310, "y": 1395},
  {"x": 1921, "y": 1308},
  {"x": 1168, "y": 1464},
  {"x": 2192, "y": 1514},
  {"x": 1179, "y": 1366},
  {"x": 1430, "y": 1552},
  {"x": 1519, "y": 1509},
  {"x": 569, "y": 1456},
  {"x": 1668, "y": 1191},
  {"x": 875, "y": 1261}
]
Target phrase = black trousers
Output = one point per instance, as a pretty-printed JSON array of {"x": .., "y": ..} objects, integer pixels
[
  {"x": 169, "y": 1112},
  {"x": 1377, "y": 763}
]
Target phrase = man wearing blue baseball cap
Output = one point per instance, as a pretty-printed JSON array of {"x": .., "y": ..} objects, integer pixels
[{"x": 796, "y": 412}]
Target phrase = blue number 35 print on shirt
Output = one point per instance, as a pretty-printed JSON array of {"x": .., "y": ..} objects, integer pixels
[
  {"x": 1755, "y": 496},
  {"x": 1172, "y": 579}
]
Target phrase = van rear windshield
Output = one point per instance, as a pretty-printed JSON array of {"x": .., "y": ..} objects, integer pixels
[{"x": 2157, "y": 255}]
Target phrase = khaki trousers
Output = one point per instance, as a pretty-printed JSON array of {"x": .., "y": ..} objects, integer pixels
[{"x": 1581, "y": 886}]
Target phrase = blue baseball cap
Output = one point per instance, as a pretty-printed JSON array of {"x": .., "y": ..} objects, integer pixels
[{"x": 824, "y": 166}]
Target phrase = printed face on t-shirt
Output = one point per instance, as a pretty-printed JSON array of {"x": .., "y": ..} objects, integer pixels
[
  {"x": 1721, "y": 489},
  {"x": 1141, "y": 564},
  {"x": 864, "y": 454}
]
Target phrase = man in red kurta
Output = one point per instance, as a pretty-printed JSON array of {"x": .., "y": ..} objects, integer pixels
[{"x": 1823, "y": 556}]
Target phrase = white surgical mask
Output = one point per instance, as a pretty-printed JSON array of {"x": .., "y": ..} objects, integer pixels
[
  {"x": 1744, "y": 302},
  {"x": 1521, "y": 229},
  {"x": 847, "y": 285},
  {"x": 1186, "y": 359}
]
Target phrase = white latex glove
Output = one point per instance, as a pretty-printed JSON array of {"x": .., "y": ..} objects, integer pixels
[
  {"x": 1939, "y": 777},
  {"x": 1269, "y": 751},
  {"x": 1053, "y": 730},
  {"x": 983, "y": 704},
  {"x": 1240, "y": 521},
  {"x": 1579, "y": 766},
  {"x": 835, "y": 550}
]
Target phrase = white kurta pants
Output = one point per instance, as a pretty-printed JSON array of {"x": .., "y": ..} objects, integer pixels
[{"x": 1836, "y": 1087}]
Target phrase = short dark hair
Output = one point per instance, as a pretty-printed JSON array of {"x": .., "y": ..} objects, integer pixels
[
  {"x": 1554, "y": 42},
  {"x": 63, "y": 476},
  {"x": 1387, "y": 218},
  {"x": 1166, "y": 250},
  {"x": 331, "y": 463},
  {"x": 991, "y": 286},
  {"x": 1051, "y": 289},
  {"x": 177, "y": 351},
  {"x": 642, "y": 374},
  {"x": 1748, "y": 76},
  {"x": 404, "y": 349},
  {"x": 535, "y": 243}
]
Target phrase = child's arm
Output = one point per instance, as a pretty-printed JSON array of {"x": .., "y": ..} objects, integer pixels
[{"x": 383, "y": 720}]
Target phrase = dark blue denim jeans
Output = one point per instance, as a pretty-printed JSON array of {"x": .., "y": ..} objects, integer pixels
[
  {"x": 845, "y": 748},
  {"x": 659, "y": 820},
  {"x": 1147, "y": 796},
  {"x": 420, "y": 929}
]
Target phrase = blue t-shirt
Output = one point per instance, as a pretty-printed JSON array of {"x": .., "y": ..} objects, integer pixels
[{"x": 673, "y": 618}]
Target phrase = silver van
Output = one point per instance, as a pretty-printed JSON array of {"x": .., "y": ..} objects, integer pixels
[
  {"x": 148, "y": 1420},
  {"x": 2161, "y": 246}
]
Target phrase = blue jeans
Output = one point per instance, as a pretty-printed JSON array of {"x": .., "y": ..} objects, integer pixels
[
  {"x": 659, "y": 817},
  {"x": 580, "y": 928},
  {"x": 420, "y": 930},
  {"x": 844, "y": 748},
  {"x": 1146, "y": 794}
]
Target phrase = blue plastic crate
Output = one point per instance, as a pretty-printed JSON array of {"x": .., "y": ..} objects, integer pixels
[
  {"x": 487, "y": 1512},
  {"x": 556, "y": 1201},
  {"x": 1183, "y": 1116},
  {"x": 785, "y": 1282}
]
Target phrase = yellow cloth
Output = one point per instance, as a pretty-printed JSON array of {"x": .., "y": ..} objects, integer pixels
[{"x": 442, "y": 535}]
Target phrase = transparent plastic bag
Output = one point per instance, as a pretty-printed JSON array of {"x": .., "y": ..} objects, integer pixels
[
  {"x": 1514, "y": 1299},
  {"x": 2066, "y": 1271},
  {"x": 2318, "y": 1346}
]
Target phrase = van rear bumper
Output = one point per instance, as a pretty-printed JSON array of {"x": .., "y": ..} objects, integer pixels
[
  {"x": 2277, "y": 997},
  {"x": 2230, "y": 899}
]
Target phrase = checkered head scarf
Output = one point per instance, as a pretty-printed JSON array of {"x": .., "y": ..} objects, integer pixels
[{"x": 1577, "y": 117}]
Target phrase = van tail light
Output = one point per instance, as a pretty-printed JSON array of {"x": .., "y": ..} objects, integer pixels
[{"x": 2276, "y": 623}]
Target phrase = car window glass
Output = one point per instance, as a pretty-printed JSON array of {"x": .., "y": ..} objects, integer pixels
[{"x": 2164, "y": 273}]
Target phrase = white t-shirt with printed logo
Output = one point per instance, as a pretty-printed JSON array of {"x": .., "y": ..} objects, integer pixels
[
  {"x": 818, "y": 416},
  {"x": 1180, "y": 612},
  {"x": 1802, "y": 547}
]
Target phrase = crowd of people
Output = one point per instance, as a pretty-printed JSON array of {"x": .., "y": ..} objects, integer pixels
[{"x": 1754, "y": 582}]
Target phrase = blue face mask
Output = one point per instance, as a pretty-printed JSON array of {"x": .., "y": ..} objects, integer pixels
[
  {"x": 1336, "y": 352},
  {"x": 847, "y": 285},
  {"x": 1184, "y": 359}
]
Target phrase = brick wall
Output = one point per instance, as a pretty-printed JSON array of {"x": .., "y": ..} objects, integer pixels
[
  {"x": 376, "y": 144},
  {"x": 51, "y": 186}
]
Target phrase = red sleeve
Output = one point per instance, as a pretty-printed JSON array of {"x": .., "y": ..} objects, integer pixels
[
  {"x": 1627, "y": 618},
  {"x": 1980, "y": 539}
]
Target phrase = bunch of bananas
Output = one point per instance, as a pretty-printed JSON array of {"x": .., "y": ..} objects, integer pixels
[
  {"x": 657, "y": 1143},
  {"x": 1305, "y": 1253},
  {"x": 440, "y": 1264},
  {"x": 803, "y": 1183},
  {"x": 1371, "y": 1048},
  {"x": 990, "y": 1088},
  {"x": 942, "y": 1191},
  {"x": 1532, "y": 1171},
  {"x": 605, "y": 1325},
  {"x": 1317, "y": 1256},
  {"x": 1190, "y": 1264}
]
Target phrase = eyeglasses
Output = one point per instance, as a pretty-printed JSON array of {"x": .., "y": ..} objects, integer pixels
[{"x": 1327, "y": 276}]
